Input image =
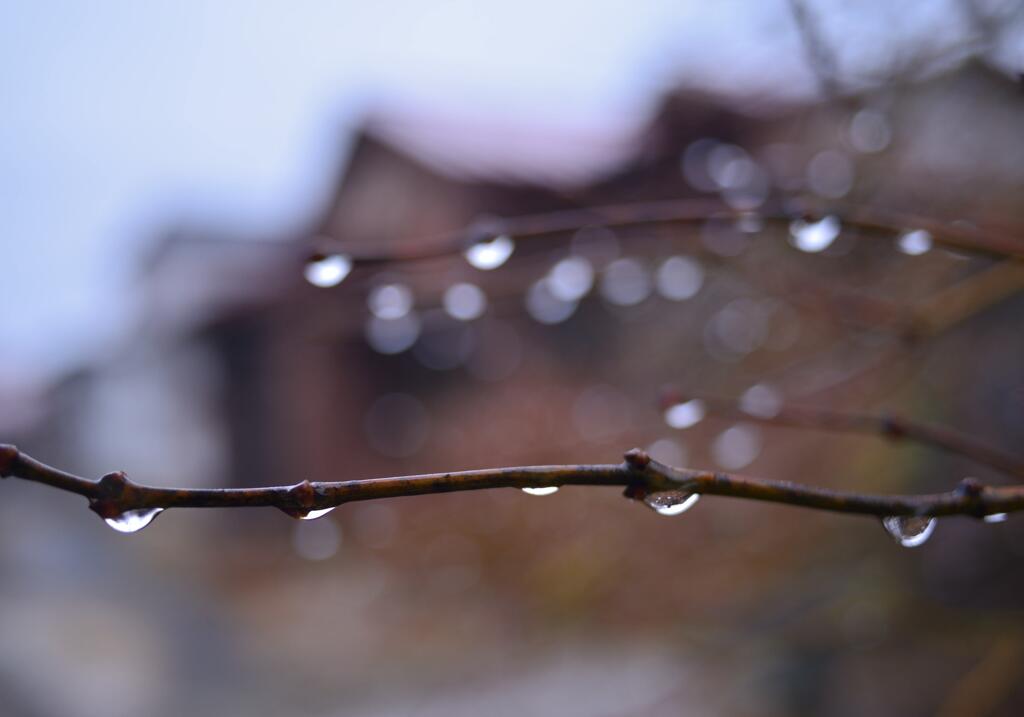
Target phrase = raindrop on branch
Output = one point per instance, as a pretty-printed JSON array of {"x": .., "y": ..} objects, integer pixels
[
  {"x": 571, "y": 278},
  {"x": 390, "y": 301},
  {"x": 813, "y": 237},
  {"x": 685, "y": 414},
  {"x": 392, "y": 336},
  {"x": 545, "y": 490},
  {"x": 625, "y": 282},
  {"x": 314, "y": 514},
  {"x": 132, "y": 521},
  {"x": 671, "y": 502},
  {"x": 679, "y": 278},
  {"x": 545, "y": 307},
  {"x": 464, "y": 301},
  {"x": 328, "y": 271},
  {"x": 914, "y": 243},
  {"x": 491, "y": 254},
  {"x": 909, "y": 530}
]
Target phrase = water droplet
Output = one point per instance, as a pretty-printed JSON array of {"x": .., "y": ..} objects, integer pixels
[
  {"x": 626, "y": 282},
  {"x": 914, "y": 243},
  {"x": 909, "y": 530},
  {"x": 545, "y": 307},
  {"x": 761, "y": 400},
  {"x": 571, "y": 278},
  {"x": 491, "y": 254},
  {"x": 328, "y": 271},
  {"x": 685, "y": 414},
  {"x": 314, "y": 514},
  {"x": 546, "y": 490},
  {"x": 392, "y": 336},
  {"x": 996, "y": 518},
  {"x": 679, "y": 278},
  {"x": 390, "y": 301},
  {"x": 132, "y": 521},
  {"x": 816, "y": 236},
  {"x": 464, "y": 302},
  {"x": 671, "y": 502}
]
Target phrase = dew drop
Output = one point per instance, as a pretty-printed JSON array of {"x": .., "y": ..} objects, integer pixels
[
  {"x": 491, "y": 254},
  {"x": 761, "y": 400},
  {"x": 464, "y": 301},
  {"x": 679, "y": 278},
  {"x": 813, "y": 237},
  {"x": 685, "y": 414},
  {"x": 909, "y": 530},
  {"x": 390, "y": 301},
  {"x": 328, "y": 271},
  {"x": 314, "y": 514},
  {"x": 996, "y": 518},
  {"x": 546, "y": 490},
  {"x": 671, "y": 502},
  {"x": 571, "y": 278},
  {"x": 914, "y": 243},
  {"x": 545, "y": 307},
  {"x": 626, "y": 282},
  {"x": 132, "y": 521}
]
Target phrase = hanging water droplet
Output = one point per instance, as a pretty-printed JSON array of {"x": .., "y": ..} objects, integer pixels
[
  {"x": 995, "y": 517},
  {"x": 914, "y": 243},
  {"x": 390, "y": 301},
  {"x": 685, "y": 414},
  {"x": 546, "y": 490},
  {"x": 813, "y": 237},
  {"x": 671, "y": 502},
  {"x": 571, "y": 278},
  {"x": 679, "y": 278},
  {"x": 909, "y": 530},
  {"x": 328, "y": 271},
  {"x": 314, "y": 514},
  {"x": 464, "y": 301},
  {"x": 491, "y": 254},
  {"x": 132, "y": 521}
]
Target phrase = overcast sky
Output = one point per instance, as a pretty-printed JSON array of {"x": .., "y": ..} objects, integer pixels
[{"x": 120, "y": 118}]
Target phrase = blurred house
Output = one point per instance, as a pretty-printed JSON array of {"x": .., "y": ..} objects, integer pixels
[{"x": 239, "y": 372}]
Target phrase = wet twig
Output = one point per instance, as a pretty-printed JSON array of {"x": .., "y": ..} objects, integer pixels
[
  {"x": 868, "y": 222},
  {"x": 884, "y": 424},
  {"x": 114, "y": 495}
]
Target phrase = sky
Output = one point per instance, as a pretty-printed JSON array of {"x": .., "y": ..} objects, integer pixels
[{"x": 122, "y": 118}]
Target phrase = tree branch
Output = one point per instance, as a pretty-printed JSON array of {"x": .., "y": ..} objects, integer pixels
[
  {"x": 872, "y": 222},
  {"x": 114, "y": 495},
  {"x": 885, "y": 425}
]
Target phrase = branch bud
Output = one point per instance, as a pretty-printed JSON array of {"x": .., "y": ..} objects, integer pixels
[{"x": 637, "y": 459}]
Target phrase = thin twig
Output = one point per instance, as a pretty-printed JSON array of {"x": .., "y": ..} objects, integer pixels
[
  {"x": 867, "y": 221},
  {"x": 114, "y": 495},
  {"x": 885, "y": 425}
]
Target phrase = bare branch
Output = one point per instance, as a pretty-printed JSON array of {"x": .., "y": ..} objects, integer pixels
[
  {"x": 114, "y": 495},
  {"x": 885, "y": 425},
  {"x": 868, "y": 222}
]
